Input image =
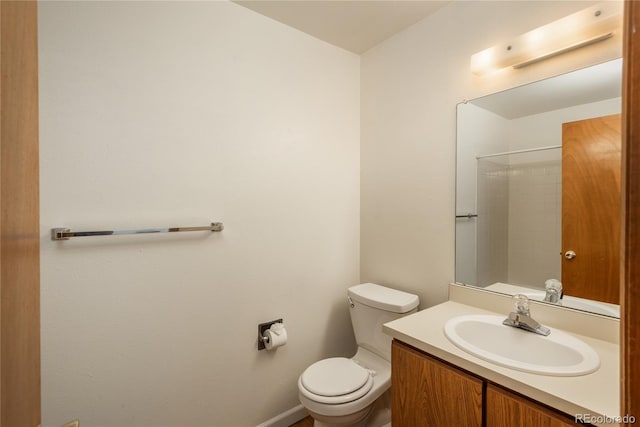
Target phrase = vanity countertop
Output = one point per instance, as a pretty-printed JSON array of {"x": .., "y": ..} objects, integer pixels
[{"x": 596, "y": 394}]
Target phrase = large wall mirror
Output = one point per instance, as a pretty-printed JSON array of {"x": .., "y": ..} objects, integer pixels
[{"x": 538, "y": 190}]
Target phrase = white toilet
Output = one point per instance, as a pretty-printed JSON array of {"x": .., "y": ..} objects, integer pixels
[{"x": 354, "y": 392}]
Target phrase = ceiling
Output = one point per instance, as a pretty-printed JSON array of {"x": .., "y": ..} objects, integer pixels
[{"x": 355, "y": 25}]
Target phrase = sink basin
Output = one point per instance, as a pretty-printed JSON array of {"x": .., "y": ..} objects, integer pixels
[{"x": 558, "y": 354}]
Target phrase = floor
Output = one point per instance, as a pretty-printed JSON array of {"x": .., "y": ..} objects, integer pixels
[{"x": 305, "y": 422}]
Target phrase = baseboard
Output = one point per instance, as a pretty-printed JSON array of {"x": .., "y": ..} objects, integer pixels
[{"x": 286, "y": 418}]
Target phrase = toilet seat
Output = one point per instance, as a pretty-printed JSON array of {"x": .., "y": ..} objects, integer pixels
[{"x": 335, "y": 380}]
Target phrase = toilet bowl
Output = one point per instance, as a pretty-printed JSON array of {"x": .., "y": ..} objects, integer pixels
[{"x": 341, "y": 391}]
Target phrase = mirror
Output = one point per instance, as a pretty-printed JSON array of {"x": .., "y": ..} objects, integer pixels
[{"x": 515, "y": 168}]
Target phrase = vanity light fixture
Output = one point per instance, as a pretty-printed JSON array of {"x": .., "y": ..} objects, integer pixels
[{"x": 592, "y": 25}]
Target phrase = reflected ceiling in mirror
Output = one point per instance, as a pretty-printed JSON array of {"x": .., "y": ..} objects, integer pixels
[
  {"x": 592, "y": 84},
  {"x": 509, "y": 181}
]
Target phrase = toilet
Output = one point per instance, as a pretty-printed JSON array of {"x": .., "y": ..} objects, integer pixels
[{"x": 355, "y": 392}]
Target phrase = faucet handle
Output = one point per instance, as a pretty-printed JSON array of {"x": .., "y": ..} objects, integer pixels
[
  {"x": 553, "y": 288},
  {"x": 521, "y": 318},
  {"x": 520, "y": 304},
  {"x": 553, "y": 284}
]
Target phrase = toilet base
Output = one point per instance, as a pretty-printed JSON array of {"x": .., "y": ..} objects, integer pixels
[
  {"x": 376, "y": 415},
  {"x": 352, "y": 420}
]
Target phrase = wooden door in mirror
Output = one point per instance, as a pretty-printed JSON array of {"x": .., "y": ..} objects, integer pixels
[{"x": 591, "y": 151}]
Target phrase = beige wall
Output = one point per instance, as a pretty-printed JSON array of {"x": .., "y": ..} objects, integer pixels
[
  {"x": 183, "y": 113},
  {"x": 410, "y": 86}
]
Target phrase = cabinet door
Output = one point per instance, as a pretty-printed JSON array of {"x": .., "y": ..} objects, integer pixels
[
  {"x": 426, "y": 392},
  {"x": 505, "y": 409}
]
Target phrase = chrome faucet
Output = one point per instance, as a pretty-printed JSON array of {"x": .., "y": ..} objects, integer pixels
[
  {"x": 521, "y": 317},
  {"x": 553, "y": 289}
]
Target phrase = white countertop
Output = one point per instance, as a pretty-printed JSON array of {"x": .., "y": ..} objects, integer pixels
[{"x": 596, "y": 394}]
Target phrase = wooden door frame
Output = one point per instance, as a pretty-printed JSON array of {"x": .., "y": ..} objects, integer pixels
[
  {"x": 19, "y": 217},
  {"x": 630, "y": 238}
]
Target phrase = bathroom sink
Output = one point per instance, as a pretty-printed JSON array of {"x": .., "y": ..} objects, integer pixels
[{"x": 558, "y": 354}]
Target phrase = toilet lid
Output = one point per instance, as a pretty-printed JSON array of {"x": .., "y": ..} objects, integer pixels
[{"x": 336, "y": 376}]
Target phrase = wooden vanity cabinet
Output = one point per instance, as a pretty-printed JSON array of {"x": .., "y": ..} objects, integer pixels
[
  {"x": 428, "y": 392},
  {"x": 505, "y": 409}
]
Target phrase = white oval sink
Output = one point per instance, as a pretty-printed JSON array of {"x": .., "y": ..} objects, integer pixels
[{"x": 557, "y": 354}]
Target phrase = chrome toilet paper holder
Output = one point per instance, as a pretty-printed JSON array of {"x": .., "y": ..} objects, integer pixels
[{"x": 262, "y": 327}]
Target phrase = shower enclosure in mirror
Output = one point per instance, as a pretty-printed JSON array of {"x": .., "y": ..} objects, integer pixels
[{"x": 537, "y": 189}]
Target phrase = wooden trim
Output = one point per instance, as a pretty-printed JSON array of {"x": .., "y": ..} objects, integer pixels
[
  {"x": 630, "y": 262},
  {"x": 1, "y": 139},
  {"x": 19, "y": 217}
]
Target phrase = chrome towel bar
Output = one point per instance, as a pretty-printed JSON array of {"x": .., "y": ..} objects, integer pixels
[{"x": 66, "y": 234}]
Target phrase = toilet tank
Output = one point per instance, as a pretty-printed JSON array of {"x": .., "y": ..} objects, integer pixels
[{"x": 373, "y": 305}]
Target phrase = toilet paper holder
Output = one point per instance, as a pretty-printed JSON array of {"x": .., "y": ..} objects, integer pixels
[{"x": 262, "y": 328}]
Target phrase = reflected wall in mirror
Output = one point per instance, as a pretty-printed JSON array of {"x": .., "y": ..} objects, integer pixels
[{"x": 522, "y": 189}]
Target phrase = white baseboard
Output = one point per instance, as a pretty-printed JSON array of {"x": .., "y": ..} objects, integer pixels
[{"x": 286, "y": 418}]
